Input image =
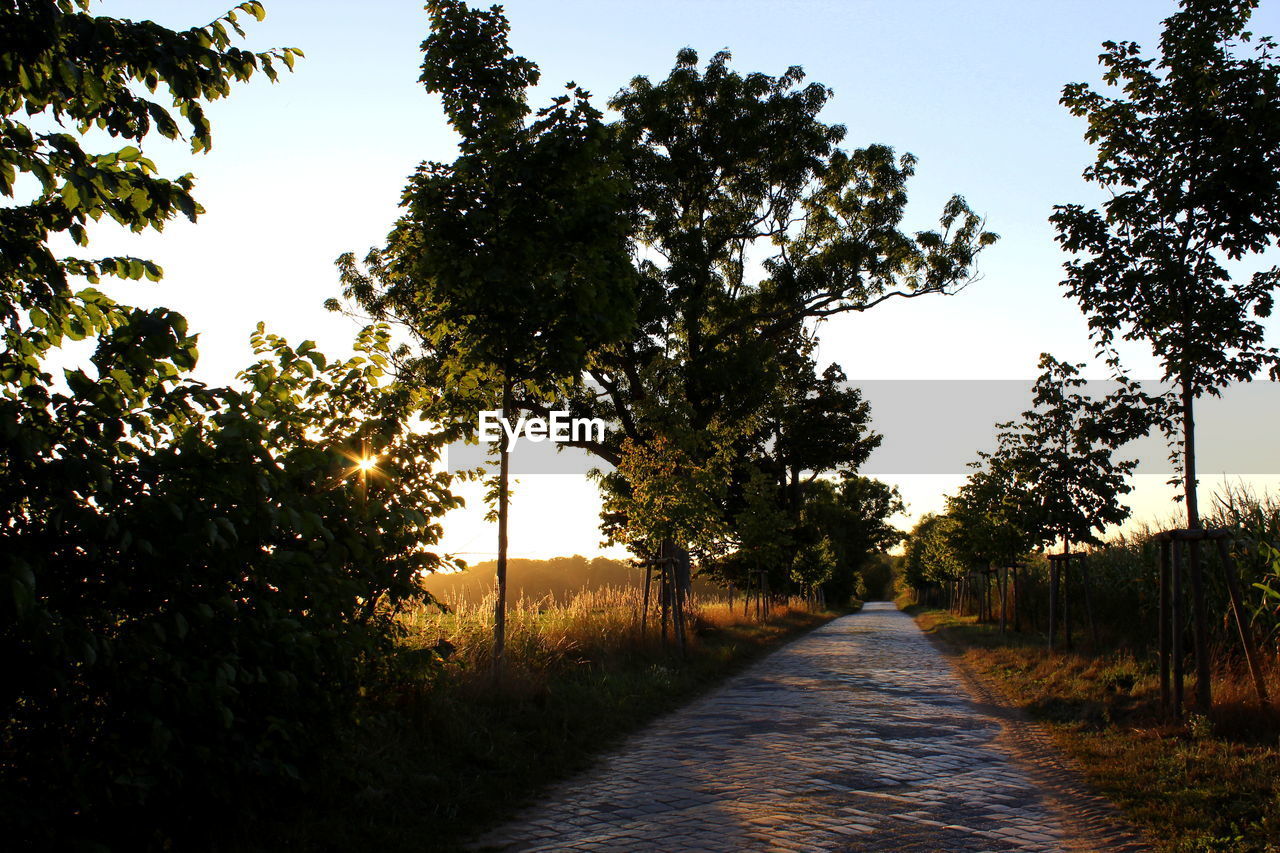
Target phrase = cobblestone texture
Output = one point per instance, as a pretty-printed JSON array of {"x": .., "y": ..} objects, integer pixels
[{"x": 858, "y": 736}]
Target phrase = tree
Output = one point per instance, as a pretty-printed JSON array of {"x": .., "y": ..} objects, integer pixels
[
  {"x": 1190, "y": 154},
  {"x": 995, "y": 513},
  {"x": 930, "y": 561},
  {"x": 1054, "y": 477},
  {"x": 722, "y": 166},
  {"x": 852, "y": 514},
  {"x": 814, "y": 424},
  {"x": 510, "y": 265},
  {"x": 725, "y": 168},
  {"x": 1060, "y": 455}
]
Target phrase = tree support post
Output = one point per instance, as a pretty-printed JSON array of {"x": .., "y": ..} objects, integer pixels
[
  {"x": 1088, "y": 601},
  {"x": 1176, "y": 636},
  {"x": 1242, "y": 622},
  {"x": 644, "y": 606},
  {"x": 1200, "y": 624},
  {"x": 1053, "y": 600},
  {"x": 1164, "y": 626},
  {"x": 1066, "y": 600},
  {"x": 1003, "y": 581}
]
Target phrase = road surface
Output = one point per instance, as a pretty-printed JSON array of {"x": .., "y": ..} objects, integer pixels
[{"x": 860, "y": 735}]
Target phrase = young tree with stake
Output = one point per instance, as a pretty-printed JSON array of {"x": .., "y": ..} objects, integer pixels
[
  {"x": 1190, "y": 154},
  {"x": 510, "y": 265}
]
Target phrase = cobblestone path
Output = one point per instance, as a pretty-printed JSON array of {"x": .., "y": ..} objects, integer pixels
[{"x": 858, "y": 736}]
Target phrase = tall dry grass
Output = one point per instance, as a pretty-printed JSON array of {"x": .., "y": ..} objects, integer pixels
[{"x": 591, "y": 627}]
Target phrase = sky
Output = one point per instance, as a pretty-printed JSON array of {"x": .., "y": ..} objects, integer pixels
[{"x": 313, "y": 166}]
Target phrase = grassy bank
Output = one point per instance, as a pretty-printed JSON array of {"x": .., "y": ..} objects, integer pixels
[
  {"x": 442, "y": 752},
  {"x": 1210, "y": 784}
]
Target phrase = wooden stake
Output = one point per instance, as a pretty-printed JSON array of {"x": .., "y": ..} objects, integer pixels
[
  {"x": 1053, "y": 602},
  {"x": 1200, "y": 624},
  {"x": 1176, "y": 636},
  {"x": 1242, "y": 623},
  {"x": 1066, "y": 596},
  {"x": 1088, "y": 601},
  {"x": 1165, "y": 627},
  {"x": 644, "y": 607}
]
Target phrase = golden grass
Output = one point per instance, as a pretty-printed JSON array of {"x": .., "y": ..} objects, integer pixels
[
  {"x": 442, "y": 751},
  {"x": 1207, "y": 783},
  {"x": 543, "y": 634}
]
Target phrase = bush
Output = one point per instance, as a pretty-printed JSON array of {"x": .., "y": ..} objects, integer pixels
[{"x": 201, "y": 581}]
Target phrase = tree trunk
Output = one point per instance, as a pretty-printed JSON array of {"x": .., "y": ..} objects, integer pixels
[
  {"x": 682, "y": 575},
  {"x": 1166, "y": 623},
  {"x": 1053, "y": 602},
  {"x": 1066, "y": 594},
  {"x": 644, "y": 607},
  {"x": 1179, "y": 616},
  {"x": 500, "y": 606},
  {"x": 1199, "y": 614}
]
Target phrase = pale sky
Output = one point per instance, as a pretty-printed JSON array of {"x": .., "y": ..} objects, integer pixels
[{"x": 314, "y": 166}]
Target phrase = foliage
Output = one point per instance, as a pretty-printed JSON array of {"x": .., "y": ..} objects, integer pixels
[
  {"x": 760, "y": 526},
  {"x": 726, "y": 169},
  {"x": 194, "y": 588},
  {"x": 1060, "y": 456},
  {"x": 851, "y": 518},
  {"x": 814, "y": 423},
  {"x": 930, "y": 557},
  {"x": 1255, "y": 522},
  {"x": 994, "y": 514},
  {"x": 666, "y": 495},
  {"x": 1190, "y": 156},
  {"x": 512, "y": 259},
  {"x": 205, "y": 590},
  {"x": 61, "y": 66}
]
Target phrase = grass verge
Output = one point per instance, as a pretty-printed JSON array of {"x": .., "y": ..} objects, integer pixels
[
  {"x": 441, "y": 753},
  {"x": 1210, "y": 784}
]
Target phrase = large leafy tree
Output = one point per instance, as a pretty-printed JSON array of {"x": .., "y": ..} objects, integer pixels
[
  {"x": 1189, "y": 151},
  {"x": 510, "y": 264},
  {"x": 733, "y": 173}
]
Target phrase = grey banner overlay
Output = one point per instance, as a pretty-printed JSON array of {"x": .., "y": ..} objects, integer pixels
[{"x": 937, "y": 426}]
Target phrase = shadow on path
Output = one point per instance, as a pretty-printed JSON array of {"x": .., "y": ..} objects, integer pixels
[{"x": 858, "y": 736}]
